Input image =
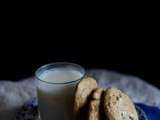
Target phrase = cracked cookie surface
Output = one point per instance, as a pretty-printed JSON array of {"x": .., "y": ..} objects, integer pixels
[
  {"x": 94, "y": 105},
  {"x": 118, "y": 106},
  {"x": 82, "y": 93}
]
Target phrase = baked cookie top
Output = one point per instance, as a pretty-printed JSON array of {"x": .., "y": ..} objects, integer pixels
[
  {"x": 83, "y": 90},
  {"x": 118, "y": 106},
  {"x": 95, "y": 105}
]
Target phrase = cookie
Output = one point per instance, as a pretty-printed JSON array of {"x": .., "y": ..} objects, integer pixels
[
  {"x": 118, "y": 106},
  {"x": 94, "y": 105},
  {"x": 82, "y": 93},
  {"x": 96, "y": 95}
]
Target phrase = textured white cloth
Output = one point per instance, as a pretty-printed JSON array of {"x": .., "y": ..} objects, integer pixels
[{"x": 14, "y": 94}]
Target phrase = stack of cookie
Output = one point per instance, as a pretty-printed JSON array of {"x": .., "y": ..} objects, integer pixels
[{"x": 95, "y": 103}]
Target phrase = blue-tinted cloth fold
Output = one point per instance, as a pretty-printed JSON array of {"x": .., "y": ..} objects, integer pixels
[{"x": 152, "y": 113}]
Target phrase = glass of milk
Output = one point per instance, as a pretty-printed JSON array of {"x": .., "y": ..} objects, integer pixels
[{"x": 55, "y": 89}]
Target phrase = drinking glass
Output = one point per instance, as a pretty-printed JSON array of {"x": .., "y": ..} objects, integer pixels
[{"x": 55, "y": 89}]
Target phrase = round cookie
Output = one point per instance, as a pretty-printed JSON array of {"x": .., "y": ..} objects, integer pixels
[
  {"x": 82, "y": 93},
  {"x": 94, "y": 110},
  {"x": 94, "y": 105},
  {"x": 118, "y": 106}
]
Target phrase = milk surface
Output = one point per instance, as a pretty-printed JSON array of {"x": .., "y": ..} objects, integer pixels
[
  {"x": 60, "y": 75},
  {"x": 55, "y": 93}
]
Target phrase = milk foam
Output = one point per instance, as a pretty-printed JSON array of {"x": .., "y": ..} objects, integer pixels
[{"x": 60, "y": 75}]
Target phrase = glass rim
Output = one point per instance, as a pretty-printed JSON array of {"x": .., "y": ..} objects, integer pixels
[{"x": 59, "y": 63}]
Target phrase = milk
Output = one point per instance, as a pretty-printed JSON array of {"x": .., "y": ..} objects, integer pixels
[
  {"x": 60, "y": 75},
  {"x": 55, "y": 93}
]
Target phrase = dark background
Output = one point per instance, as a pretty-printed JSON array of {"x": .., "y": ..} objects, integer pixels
[{"x": 121, "y": 39}]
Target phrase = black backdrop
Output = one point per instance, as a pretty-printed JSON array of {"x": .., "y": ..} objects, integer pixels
[
  {"x": 131, "y": 58},
  {"x": 114, "y": 39},
  {"x": 22, "y": 61}
]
